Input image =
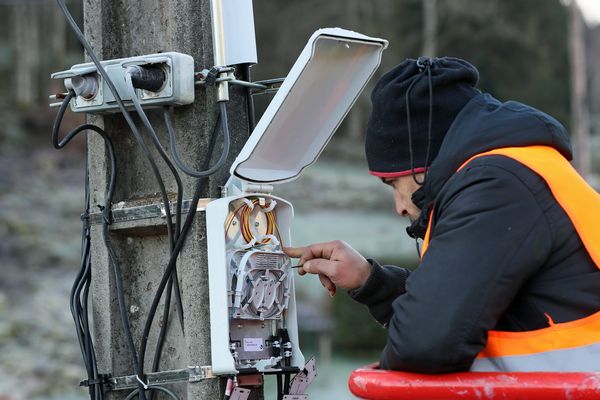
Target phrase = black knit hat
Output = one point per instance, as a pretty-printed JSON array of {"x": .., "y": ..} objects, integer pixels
[{"x": 387, "y": 144}]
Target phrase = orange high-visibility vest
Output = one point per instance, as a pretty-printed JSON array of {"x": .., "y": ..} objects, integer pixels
[{"x": 570, "y": 346}]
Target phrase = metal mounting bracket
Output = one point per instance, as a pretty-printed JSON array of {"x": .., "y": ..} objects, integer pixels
[
  {"x": 190, "y": 374},
  {"x": 133, "y": 213}
]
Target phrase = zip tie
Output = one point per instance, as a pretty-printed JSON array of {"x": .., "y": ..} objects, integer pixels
[
  {"x": 272, "y": 237},
  {"x": 271, "y": 206},
  {"x": 249, "y": 245},
  {"x": 248, "y": 202},
  {"x": 144, "y": 384}
]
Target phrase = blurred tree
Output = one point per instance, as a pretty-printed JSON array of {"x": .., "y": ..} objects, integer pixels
[
  {"x": 355, "y": 329},
  {"x": 27, "y": 47},
  {"x": 519, "y": 47},
  {"x": 429, "y": 28},
  {"x": 593, "y": 53},
  {"x": 579, "y": 83}
]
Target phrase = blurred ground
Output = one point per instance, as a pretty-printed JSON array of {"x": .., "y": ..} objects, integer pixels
[{"x": 40, "y": 200}]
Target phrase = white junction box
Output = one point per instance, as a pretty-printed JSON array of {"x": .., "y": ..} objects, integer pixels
[
  {"x": 177, "y": 89},
  {"x": 254, "y": 327}
]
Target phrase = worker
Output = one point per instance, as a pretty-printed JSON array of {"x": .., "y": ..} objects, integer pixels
[{"x": 509, "y": 276}]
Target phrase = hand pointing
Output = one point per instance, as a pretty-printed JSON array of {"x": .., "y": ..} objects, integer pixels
[{"x": 336, "y": 263}]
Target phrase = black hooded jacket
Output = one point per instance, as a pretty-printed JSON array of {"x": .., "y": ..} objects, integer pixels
[{"x": 503, "y": 254}]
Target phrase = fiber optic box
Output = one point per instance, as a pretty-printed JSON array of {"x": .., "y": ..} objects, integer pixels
[
  {"x": 254, "y": 327},
  {"x": 94, "y": 96}
]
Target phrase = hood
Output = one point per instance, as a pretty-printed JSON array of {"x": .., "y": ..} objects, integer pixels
[{"x": 485, "y": 124}]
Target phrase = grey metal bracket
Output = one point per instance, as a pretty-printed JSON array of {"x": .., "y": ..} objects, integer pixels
[
  {"x": 190, "y": 374},
  {"x": 156, "y": 210}
]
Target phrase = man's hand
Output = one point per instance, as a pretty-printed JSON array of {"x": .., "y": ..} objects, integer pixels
[{"x": 336, "y": 263}]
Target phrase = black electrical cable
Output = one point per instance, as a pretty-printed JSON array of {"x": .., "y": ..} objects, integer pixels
[
  {"x": 95, "y": 390},
  {"x": 184, "y": 231},
  {"x": 286, "y": 383},
  {"x": 163, "y": 329},
  {"x": 74, "y": 289},
  {"x": 81, "y": 311},
  {"x": 109, "y": 194},
  {"x": 75, "y": 305},
  {"x": 279, "y": 387},
  {"x": 175, "y": 153},
  {"x": 163, "y": 155},
  {"x": 249, "y": 99},
  {"x": 83, "y": 279},
  {"x": 98, "y": 393},
  {"x": 179, "y": 201}
]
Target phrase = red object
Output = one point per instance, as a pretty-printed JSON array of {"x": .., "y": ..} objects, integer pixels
[{"x": 375, "y": 384}]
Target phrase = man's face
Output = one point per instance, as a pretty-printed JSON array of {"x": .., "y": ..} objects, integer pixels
[{"x": 404, "y": 187}]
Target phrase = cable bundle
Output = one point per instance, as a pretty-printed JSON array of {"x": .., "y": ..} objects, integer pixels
[
  {"x": 247, "y": 225},
  {"x": 247, "y": 215}
]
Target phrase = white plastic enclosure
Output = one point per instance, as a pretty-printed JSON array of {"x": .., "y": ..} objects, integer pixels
[
  {"x": 178, "y": 88},
  {"x": 246, "y": 331},
  {"x": 321, "y": 87},
  {"x": 318, "y": 92}
]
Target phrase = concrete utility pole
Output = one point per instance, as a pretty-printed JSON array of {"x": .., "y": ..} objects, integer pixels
[
  {"x": 127, "y": 28},
  {"x": 579, "y": 103}
]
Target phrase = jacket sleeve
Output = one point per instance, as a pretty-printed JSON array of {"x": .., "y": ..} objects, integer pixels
[
  {"x": 384, "y": 285},
  {"x": 489, "y": 236}
]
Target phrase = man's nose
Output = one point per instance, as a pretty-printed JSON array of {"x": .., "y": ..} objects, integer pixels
[{"x": 401, "y": 210}]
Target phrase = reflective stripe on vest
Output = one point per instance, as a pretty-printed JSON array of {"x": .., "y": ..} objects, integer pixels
[{"x": 571, "y": 346}]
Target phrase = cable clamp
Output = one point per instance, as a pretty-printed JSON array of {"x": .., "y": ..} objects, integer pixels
[
  {"x": 101, "y": 380},
  {"x": 85, "y": 218},
  {"x": 106, "y": 214},
  {"x": 209, "y": 76},
  {"x": 107, "y": 218},
  {"x": 144, "y": 384}
]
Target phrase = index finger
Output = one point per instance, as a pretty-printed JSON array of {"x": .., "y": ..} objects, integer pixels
[
  {"x": 317, "y": 250},
  {"x": 323, "y": 250},
  {"x": 303, "y": 253},
  {"x": 294, "y": 252}
]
